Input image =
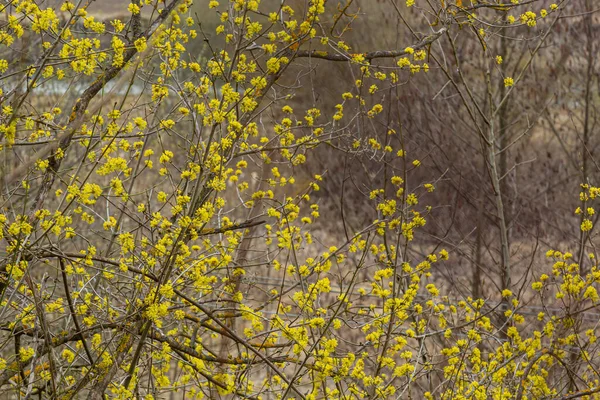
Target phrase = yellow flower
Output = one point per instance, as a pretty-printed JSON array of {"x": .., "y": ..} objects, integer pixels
[
  {"x": 140, "y": 44},
  {"x": 25, "y": 353},
  {"x": 68, "y": 355},
  {"x": 444, "y": 254},
  {"x": 529, "y": 18},
  {"x": 591, "y": 293},
  {"x": 133, "y": 8}
]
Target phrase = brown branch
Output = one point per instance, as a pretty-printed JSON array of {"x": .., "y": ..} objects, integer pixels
[
  {"x": 72, "y": 308},
  {"x": 153, "y": 334},
  {"x": 209, "y": 378},
  {"x": 426, "y": 41},
  {"x": 242, "y": 225},
  {"x": 77, "y": 116},
  {"x": 579, "y": 394},
  {"x": 56, "y": 341},
  {"x": 242, "y": 342}
]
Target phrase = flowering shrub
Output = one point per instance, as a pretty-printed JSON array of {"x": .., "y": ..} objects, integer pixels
[{"x": 160, "y": 232}]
